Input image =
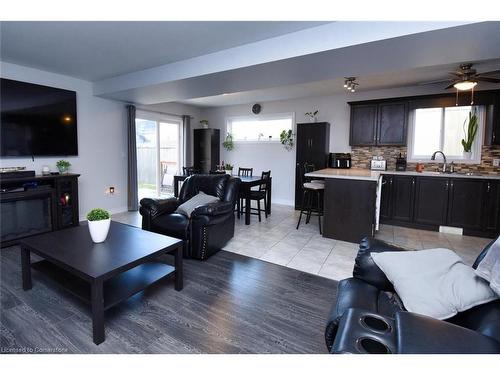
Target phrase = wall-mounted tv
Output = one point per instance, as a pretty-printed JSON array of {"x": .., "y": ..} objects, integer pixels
[{"x": 37, "y": 120}]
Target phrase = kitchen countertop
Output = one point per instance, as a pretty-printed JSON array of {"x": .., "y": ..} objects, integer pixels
[{"x": 369, "y": 175}]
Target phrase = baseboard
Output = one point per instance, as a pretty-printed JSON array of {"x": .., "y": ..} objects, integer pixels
[
  {"x": 451, "y": 230},
  {"x": 112, "y": 211},
  {"x": 284, "y": 202}
]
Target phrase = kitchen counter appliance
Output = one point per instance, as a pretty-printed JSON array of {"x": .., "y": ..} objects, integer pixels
[{"x": 339, "y": 160}]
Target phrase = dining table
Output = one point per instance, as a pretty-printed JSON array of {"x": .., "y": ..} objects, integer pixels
[{"x": 247, "y": 183}]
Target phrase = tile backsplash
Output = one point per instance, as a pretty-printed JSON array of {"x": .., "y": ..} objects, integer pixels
[{"x": 361, "y": 157}]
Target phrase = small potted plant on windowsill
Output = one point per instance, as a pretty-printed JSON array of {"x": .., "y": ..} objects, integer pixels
[
  {"x": 63, "y": 166},
  {"x": 99, "y": 222},
  {"x": 229, "y": 168},
  {"x": 470, "y": 131},
  {"x": 204, "y": 124}
]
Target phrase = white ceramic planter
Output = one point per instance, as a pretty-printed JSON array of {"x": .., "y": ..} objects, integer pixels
[
  {"x": 467, "y": 155},
  {"x": 99, "y": 230}
]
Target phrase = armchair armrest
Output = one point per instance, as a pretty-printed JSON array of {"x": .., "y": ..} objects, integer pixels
[
  {"x": 214, "y": 209},
  {"x": 151, "y": 208},
  {"x": 419, "y": 334},
  {"x": 365, "y": 268}
]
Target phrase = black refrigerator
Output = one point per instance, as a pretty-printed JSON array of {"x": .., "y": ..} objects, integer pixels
[
  {"x": 206, "y": 149},
  {"x": 313, "y": 147}
]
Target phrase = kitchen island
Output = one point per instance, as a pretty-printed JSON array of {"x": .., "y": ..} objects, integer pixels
[
  {"x": 355, "y": 200},
  {"x": 350, "y": 203}
]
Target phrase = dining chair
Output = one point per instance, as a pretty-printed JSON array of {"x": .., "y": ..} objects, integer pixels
[
  {"x": 188, "y": 171},
  {"x": 242, "y": 172},
  {"x": 245, "y": 172},
  {"x": 261, "y": 194}
]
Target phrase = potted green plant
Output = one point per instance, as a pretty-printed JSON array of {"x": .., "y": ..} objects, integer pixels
[
  {"x": 99, "y": 221},
  {"x": 312, "y": 116},
  {"x": 229, "y": 168},
  {"x": 470, "y": 131},
  {"x": 204, "y": 124},
  {"x": 63, "y": 166},
  {"x": 286, "y": 139},
  {"x": 228, "y": 143}
]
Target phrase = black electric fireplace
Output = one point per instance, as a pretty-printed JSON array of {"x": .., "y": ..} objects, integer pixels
[
  {"x": 27, "y": 213},
  {"x": 37, "y": 204}
]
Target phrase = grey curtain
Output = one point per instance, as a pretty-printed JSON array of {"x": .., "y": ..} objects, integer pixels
[
  {"x": 186, "y": 127},
  {"x": 133, "y": 196}
]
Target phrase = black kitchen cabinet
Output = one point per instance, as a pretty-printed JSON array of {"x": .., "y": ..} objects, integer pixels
[
  {"x": 403, "y": 191},
  {"x": 379, "y": 124},
  {"x": 491, "y": 217},
  {"x": 392, "y": 120},
  {"x": 386, "y": 198},
  {"x": 492, "y": 128},
  {"x": 363, "y": 130},
  {"x": 313, "y": 146},
  {"x": 465, "y": 206},
  {"x": 431, "y": 200},
  {"x": 206, "y": 149}
]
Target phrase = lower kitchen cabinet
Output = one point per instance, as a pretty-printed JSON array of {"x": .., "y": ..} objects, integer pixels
[
  {"x": 403, "y": 191},
  {"x": 492, "y": 207},
  {"x": 428, "y": 202},
  {"x": 465, "y": 206},
  {"x": 431, "y": 200}
]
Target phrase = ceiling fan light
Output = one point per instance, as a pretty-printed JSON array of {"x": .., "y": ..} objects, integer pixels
[
  {"x": 465, "y": 85},
  {"x": 345, "y": 83}
]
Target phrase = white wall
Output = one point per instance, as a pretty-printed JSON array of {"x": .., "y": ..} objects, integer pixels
[
  {"x": 102, "y": 142},
  {"x": 333, "y": 109}
]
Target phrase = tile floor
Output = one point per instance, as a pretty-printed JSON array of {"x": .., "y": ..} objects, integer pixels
[{"x": 277, "y": 241}]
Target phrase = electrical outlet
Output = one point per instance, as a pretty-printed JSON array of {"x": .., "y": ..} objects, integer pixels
[{"x": 496, "y": 162}]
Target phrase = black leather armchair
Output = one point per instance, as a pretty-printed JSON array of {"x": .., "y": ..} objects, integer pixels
[
  {"x": 476, "y": 330},
  {"x": 210, "y": 227}
]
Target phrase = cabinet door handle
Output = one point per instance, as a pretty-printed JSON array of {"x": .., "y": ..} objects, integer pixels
[
  {"x": 451, "y": 183},
  {"x": 447, "y": 183},
  {"x": 488, "y": 188},
  {"x": 413, "y": 181}
]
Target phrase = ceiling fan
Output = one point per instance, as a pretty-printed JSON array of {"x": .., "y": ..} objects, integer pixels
[{"x": 466, "y": 78}]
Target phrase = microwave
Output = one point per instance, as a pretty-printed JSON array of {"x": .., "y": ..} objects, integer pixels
[{"x": 339, "y": 160}]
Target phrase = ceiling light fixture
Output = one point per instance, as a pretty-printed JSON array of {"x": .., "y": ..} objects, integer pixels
[
  {"x": 465, "y": 85},
  {"x": 350, "y": 84}
]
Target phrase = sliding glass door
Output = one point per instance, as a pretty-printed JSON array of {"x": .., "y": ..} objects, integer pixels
[{"x": 159, "y": 154}]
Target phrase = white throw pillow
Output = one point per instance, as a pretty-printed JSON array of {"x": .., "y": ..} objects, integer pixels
[
  {"x": 198, "y": 200},
  {"x": 434, "y": 282}
]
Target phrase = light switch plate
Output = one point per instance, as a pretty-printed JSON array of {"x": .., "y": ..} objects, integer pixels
[{"x": 496, "y": 162}]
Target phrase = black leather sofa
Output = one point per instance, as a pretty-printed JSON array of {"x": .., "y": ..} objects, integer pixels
[
  {"x": 370, "y": 294},
  {"x": 210, "y": 227}
]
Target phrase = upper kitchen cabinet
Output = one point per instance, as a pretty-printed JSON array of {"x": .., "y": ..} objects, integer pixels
[
  {"x": 363, "y": 125},
  {"x": 381, "y": 123}
]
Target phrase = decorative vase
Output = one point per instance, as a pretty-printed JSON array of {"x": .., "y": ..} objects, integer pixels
[
  {"x": 467, "y": 155},
  {"x": 62, "y": 169},
  {"x": 99, "y": 230},
  {"x": 204, "y": 126},
  {"x": 229, "y": 171}
]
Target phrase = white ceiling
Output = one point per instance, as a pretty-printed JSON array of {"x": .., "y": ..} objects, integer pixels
[
  {"x": 99, "y": 50},
  {"x": 399, "y": 79}
]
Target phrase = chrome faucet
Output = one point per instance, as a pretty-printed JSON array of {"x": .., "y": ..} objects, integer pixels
[{"x": 433, "y": 157}]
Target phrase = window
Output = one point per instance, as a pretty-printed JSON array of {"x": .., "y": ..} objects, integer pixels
[
  {"x": 159, "y": 153},
  {"x": 259, "y": 128},
  {"x": 442, "y": 129}
]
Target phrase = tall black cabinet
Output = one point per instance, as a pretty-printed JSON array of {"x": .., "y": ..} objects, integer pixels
[
  {"x": 206, "y": 149},
  {"x": 313, "y": 146}
]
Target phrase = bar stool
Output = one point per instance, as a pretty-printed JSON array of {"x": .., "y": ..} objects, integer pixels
[{"x": 312, "y": 190}]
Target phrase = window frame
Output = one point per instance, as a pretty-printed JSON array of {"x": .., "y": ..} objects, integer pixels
[
  {"x": 476, "y": 150},
  {"x": 272, "y": 116}
]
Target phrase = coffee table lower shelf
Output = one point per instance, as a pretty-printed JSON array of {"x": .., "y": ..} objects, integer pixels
[{"x": 116, "y": 289}]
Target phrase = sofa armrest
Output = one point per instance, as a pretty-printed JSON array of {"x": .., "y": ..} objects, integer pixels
[
  {"x": 214, "y": 209},
  {"x": 365, "y": 268},
  {"x": 151, "y": 208},
  {"x": 419, "y": 334}
]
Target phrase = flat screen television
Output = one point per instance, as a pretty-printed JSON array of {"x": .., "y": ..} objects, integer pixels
[{"x": 37, "y": 120}]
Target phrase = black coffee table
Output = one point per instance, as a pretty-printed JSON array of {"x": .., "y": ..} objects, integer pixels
[{"x": 102, "y": 274}]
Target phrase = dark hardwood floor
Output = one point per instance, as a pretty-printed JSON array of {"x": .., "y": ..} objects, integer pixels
[{"x": 229, "y": 304}]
